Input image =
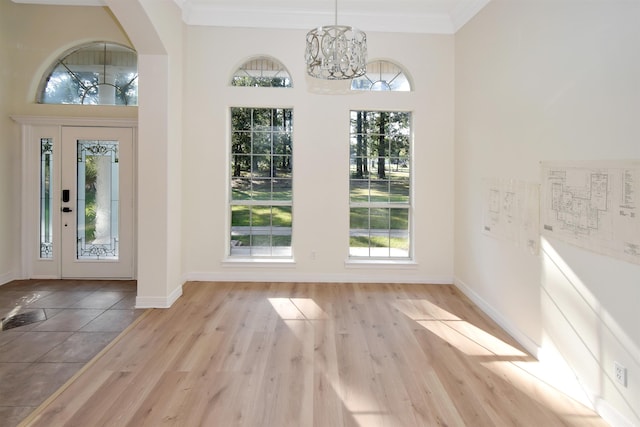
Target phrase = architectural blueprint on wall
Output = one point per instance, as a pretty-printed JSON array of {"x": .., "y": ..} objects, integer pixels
[
  {"x": 593, "y": 205},
  {"x": 511, "y": 212}
]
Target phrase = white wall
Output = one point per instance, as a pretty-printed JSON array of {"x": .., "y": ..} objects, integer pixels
[
  {"x": 321, "y": 155},
  {"x": 533, "y": 81},
  {"x": 31, "y": 37},
  {"x": 39, "y": 34},
  {"x": 540, "y": 81},
  {"x": 156, "y": 28},
  {"x": 9, "y": 239}
]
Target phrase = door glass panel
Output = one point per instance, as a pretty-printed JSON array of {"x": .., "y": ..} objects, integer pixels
[
  {"x": 98, "y": 200},
  {"x": 46, "y": 217}
]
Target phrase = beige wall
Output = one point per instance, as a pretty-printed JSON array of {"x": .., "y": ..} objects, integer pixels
[
  {"x": 31, "y": 37},
  {"x": 539, "y": 81},
  {"x": 529, "y": 81},
  {"x": 9, "y": 238},
  {"x": 40, "y": 34},
  {"x": 321, "y": 155},
  {"x": 156, "y": 31}
]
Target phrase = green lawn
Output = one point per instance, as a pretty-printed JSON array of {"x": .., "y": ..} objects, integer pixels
[
  {"x": 378, "y": 242},
  {"x": 260, "y": 216},
  {"x": 380, "y": 218}
]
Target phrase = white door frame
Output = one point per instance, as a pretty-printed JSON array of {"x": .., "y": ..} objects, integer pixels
[{"x": 33, "y": 129}]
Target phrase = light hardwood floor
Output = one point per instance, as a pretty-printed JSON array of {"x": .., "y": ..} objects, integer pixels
[{"x": 326, "y": 355}]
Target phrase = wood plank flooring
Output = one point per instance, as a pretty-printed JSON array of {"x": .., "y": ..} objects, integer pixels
[{"x": 284, "y": 354}]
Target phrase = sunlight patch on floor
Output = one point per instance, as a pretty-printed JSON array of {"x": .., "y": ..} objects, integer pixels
[
  {"x": 360, "y": 405},
  {"x": 526, "y": 377},
  {"x": 421, "y": 309},
  {"x": 486, "y": 340},
  {"x": 297, "y": 309},
  {"x": 470, "y": 339}
]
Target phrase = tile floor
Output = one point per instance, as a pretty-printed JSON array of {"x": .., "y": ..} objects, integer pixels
[{"x": 75, "y": 320}]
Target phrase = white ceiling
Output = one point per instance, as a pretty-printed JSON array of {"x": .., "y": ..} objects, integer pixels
[{"x": 412, "y": 16}]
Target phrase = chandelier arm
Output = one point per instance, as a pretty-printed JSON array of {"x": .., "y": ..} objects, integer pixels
[{"x": 336, "y": 52}]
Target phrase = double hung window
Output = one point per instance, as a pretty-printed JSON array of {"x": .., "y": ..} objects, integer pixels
[
  {"x": 380, "y": 185},
  {"x": 261, "y": 182}
]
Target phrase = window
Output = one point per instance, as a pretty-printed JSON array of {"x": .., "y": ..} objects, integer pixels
[
  {"x": 382, "y": 76},
  {"x": 261, "y": 72},
  {"x": 96, "y": 73},
  {"x": 380, "y": 185},
  {"x": 46, "y": 198},
  {"x": 261, "y": 182}
]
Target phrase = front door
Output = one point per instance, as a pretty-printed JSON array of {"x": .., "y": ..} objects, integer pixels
[{"x": 96, "y": 202}]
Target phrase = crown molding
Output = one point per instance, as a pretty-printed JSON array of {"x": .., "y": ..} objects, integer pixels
[
  {"x": 379, "y": 17},
  {"x": 410, "y": 16},
  {"x": 465, "y": 11},
  {"x": 217, "y": 15}
]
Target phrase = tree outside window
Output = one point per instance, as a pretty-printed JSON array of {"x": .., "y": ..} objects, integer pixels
[
  {"x": 380, "y": 184},
  {"x": 98, "y": 73},
  {"x": 261, "y": 182}
]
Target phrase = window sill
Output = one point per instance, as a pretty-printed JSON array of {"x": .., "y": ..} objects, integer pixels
[
  {"x": 381, "y": 263},
  {"x": 259, "y": 262}
]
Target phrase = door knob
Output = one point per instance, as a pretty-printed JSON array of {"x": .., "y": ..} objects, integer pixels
[{"x": 66, "y": 209}]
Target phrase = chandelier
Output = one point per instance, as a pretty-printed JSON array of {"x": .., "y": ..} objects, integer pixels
[{"x": 336, "y": 52}]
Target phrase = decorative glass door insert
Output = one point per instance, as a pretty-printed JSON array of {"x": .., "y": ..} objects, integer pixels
[{"x": 97, "y": 200}]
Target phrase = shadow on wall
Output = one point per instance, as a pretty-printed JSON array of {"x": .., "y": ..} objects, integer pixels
[{"x": 580, "y": 332}]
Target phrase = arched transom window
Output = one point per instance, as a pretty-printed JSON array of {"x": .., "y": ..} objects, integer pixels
[
  {"x": 262, "y": 72},
  {"x": 99, "y": 73},
  {"x": 382, "y": 76}
]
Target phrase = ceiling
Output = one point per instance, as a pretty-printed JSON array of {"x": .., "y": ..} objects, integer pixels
[{"x": 407, "y": 16}]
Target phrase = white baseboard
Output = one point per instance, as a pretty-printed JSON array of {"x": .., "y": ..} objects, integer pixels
[
  {"x": 611, "y": 415},
  {"x": 6, "y": 278},
  {"x": 254, "y": 275},
  {"x": 603, "y": 408},
  {"x": 159, "y": 302},
  {"x": 531, "y": 346}
]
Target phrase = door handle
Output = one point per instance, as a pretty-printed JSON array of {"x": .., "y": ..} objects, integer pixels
[{"x": 66, "y": 209}]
